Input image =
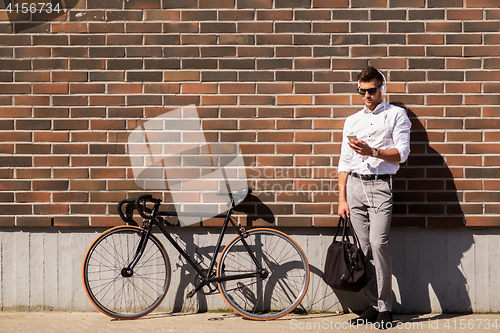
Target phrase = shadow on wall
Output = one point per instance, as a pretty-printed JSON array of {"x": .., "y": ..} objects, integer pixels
[
  {"x": 427, "y": 262},
  {"x": 425, "y": 195}
]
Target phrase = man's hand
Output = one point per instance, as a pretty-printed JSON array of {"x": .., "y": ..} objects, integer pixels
[
  {"x": 361, "y": 147},
  {"x": 343, "y": 209}
]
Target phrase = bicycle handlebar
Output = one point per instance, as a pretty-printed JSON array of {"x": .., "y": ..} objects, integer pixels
[
  {"x": 140, "y": 202},
  {"x": 138, "y": 207},
  {"x": 122, "y": 215}
]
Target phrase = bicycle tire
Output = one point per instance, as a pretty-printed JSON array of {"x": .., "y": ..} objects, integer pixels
[
  {"x": 264, "y": 298},
  {"x": 112, "y": 293}
]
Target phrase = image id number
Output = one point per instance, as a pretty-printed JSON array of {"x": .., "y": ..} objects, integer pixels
[
  {"x": 33, "y": 7},
  {"x": 470, "y": 324}
]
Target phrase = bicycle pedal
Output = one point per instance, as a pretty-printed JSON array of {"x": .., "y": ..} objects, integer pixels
[{"x": 191, "y": 293}]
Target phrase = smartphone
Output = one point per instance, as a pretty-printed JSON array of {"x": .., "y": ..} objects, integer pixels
[{"x": 352, "y": 137}]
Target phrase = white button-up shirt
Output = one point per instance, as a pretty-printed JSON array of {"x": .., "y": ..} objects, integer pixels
[{"x": 385, "y": 127}]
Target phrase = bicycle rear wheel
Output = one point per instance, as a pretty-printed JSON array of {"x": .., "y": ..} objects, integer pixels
[
  {"x": 276, "y": 292},
  {"x": 113, "y": 291}
]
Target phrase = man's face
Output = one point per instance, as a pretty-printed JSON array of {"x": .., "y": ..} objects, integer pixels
[{"x": 371, "y": 101}]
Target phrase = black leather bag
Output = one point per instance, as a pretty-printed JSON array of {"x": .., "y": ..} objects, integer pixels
[{"x": 345, "y": 261}]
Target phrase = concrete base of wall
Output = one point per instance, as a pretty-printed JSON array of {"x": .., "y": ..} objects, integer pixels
[{"x": 434, "y": 270}]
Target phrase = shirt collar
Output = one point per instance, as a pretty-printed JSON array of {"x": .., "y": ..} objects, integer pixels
[{"x": 381, "y": 107}]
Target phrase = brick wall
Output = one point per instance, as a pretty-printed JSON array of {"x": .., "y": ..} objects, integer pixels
[{"x": 275, "y": 76}]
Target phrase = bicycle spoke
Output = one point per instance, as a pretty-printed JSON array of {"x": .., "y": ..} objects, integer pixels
[
  {"x": 129, "y": 296},
  {"x": 277, "y": 293}
]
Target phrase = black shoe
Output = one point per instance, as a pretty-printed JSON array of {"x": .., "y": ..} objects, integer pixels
[
  {"x": 384, "y": 320},
  {"x": 369, "y": 316}
]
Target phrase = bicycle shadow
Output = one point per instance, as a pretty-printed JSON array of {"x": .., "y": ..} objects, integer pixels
[
  {"x": 256, "y": 213},
  {"x": 187, "y": 276}
]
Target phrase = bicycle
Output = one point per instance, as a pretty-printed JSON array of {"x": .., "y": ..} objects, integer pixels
[{"x": 261, "y": 273}]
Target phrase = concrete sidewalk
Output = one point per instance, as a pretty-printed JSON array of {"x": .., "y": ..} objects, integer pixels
[{"x": 49, "y": 322}]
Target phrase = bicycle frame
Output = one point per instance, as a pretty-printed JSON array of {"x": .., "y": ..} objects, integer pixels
[{"x": 208, "y": 277}]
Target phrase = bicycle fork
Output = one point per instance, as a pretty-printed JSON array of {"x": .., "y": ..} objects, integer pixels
[{"x": 147, "y": 227}]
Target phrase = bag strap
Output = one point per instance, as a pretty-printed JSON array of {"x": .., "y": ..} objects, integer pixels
[
  {"x": 344, "y": 235},
  {"x": 353, "y": 232}
]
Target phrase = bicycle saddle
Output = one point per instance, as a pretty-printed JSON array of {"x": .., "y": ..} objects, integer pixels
[{"x": 241, "y": 193}]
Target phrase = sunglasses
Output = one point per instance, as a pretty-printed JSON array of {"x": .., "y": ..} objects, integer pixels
[{"x": 371, "y": 91}]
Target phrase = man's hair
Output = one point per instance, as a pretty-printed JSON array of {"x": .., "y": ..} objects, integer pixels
[{"x": 370, "y": 73}]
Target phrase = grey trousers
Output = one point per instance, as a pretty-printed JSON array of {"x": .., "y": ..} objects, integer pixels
[{"x": 370, "y": 207}]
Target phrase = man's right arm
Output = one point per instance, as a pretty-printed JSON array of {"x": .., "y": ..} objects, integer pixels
[{"x": 343, "y": 208}]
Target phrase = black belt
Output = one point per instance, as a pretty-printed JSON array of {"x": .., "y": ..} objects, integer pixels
[{"x": 370, "y": 177}]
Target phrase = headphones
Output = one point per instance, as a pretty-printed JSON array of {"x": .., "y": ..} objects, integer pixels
[{"x": 383, "y": 87}]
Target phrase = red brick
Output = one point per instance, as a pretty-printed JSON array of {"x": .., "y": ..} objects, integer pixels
[
  {"x": 481, "y": 4},
  {"x": 425, "y": 87},
  {"x": 464, "y": 14},
  {"x": 256, "y": 124},
  {"x": 482, "y": 148},
  {"x": 443, "y": 27},
  {"x": 492, "y": 14},
  {"x": 50, "y": 88},
  {"x": 316, "y": 136},
  {"x": 294, "y": 124},
  {"x": 444, "y": 100},
  {"x": 205, "y": 4},
  {"x": 32, "y": 52},
  {"x": 481, "y": 51},
  {"x": 75, "y": 27},
  {"x": 237, "y": 88},
  {"x": 219, "y": 100},
  {"x": 329, "y": 4},
  {"x": 275, "y": 136},
  {"x": 331, "y": 100},
  {"x": 482, "y": 100},
  {"x": 71, "y": 221},
  {"x": 31, "y": 100},
  {"x": 274, "y": 39},
  {"x": 7, "y": 221},
  {"x": 257, "y": 100},
  {"x": 368, "y": 51},
  {"x": 491, "y": 136},
  {"x": 50, "y": 209},
  {"x": 490, "y": 39},
  {"x": 328, "y": 124},
  {"x": 492, "y": 184},
  {"x": 493, "y": 111},
  {"x": 18, "y": 112},
  {"x": 33, "y": 221},
  {"x": 199, "y": 88},
  {"x": 425, "y": 39},
  {"x": 293, "y": 148},
  {"x": 294, "y": 100},
  {"x": 162, "y": 88},
  {"x": 459, "y": 87},
  {"x": 444, "y": 124},
  {"x": 162, "y": 15},
  {"x": 124, "y": 88},
  {"x": 70, "y": 76}
]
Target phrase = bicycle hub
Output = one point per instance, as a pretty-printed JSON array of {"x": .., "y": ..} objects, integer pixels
[{"x": 126, "y": 272}]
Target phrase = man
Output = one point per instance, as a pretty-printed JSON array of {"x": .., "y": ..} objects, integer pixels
[{"x": 374, "y": 141}]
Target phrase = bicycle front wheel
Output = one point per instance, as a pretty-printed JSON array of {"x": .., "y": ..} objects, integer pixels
[
  {"x": 281, "y": 285},
  {"x": 116, "y": 292}
]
